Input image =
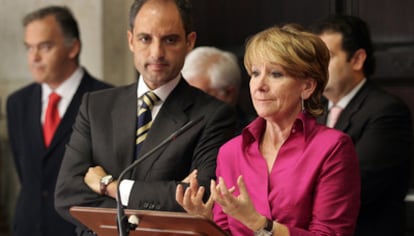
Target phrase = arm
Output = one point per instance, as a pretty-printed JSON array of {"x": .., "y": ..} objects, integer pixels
[
  {"x": 13, "y": 133},
  {"x": 71, "y": 190},
  {"x": 196, "y": 149}
]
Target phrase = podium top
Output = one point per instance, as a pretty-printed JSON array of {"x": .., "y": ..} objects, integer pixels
[{"x": 151, "y": 223}]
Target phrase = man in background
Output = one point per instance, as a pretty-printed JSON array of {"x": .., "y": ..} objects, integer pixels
[
  {"x": 118, "y": 126},
  {"x": 217, "y": 73},
  {"x": 40, "y": 117},
  {"x": 378, "y": 123}
]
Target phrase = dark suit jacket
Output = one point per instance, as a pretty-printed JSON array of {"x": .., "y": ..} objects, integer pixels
[
  {"x": 381, "y": 129},
  {"x": 104, "y": 134},
  {"x": 37, "y": 166}
]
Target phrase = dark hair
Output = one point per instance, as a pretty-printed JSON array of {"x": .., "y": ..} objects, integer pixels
[
  {"x": 184, "y": 7},
  {"x": 355, "y": 35},
  {"x": 63, "y": 16}
]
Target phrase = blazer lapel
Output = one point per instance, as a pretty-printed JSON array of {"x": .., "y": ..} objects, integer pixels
[
  {"x": 354, "y": 105},
  {"x": 170, "y": 118},
  {"x": 69, "y": 118},
  {"x": 34, "y": 127},
  {"x": 123, "y": 118}
]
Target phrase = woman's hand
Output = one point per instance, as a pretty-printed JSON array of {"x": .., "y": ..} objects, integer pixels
[
  {"x": 192, "y": 198},
  {"x": 239, "y": 207}
]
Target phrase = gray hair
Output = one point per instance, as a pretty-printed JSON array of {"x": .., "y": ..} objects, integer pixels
[{"x": 221, "y": 67}]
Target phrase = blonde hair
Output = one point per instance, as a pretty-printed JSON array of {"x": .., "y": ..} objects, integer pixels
[{"x": 301, "y": 54}]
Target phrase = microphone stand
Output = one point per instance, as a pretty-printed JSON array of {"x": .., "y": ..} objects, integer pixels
[{"x": 122, "y": 221}]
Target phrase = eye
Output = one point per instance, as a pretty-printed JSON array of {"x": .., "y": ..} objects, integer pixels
[
  {"x": 171, "y": 39},
  {"x": 28, "y": 47},
  {"x": 144, "y": 39},
  {"x": 255, "y": 73},
  {"x": 45, "y": 47},
  {"x": 276, "y": 74}
]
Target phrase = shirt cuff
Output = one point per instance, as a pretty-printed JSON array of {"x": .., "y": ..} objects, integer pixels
[{"x": 125, "y": 190}]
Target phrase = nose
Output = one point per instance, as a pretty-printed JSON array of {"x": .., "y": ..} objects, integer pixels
[
  {"x": 34, "y": 54},
  {"x": 157, "y": 50},
  {"x": 261, "y": 82}
]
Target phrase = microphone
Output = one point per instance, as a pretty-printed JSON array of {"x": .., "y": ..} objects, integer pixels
[{"x": 122, "y": 221}]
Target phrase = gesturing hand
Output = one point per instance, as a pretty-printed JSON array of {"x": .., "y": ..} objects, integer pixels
[
  {"x": 239, "y": 207},
  {"x": 192, "y": 198}
]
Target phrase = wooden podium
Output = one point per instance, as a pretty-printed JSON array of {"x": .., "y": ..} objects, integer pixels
[{"x": 151, "y": 223}]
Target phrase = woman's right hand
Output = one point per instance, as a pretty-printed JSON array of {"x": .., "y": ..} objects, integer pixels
[{"x": 191, "y": 199}]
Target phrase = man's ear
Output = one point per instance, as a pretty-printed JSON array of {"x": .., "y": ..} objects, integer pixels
[
  {"x": 358, "y": 59},
  {"x": 75, "y": 49},
  {"x": 191, "y": 38},
  {"x": 130, "y": 36}
]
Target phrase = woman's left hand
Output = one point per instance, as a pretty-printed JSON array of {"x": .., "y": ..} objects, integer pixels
[{"x": 239, "y": 207}]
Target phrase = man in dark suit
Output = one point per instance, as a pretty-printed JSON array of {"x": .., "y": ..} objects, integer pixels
[
  {"x": 53, "y": 47},
  {"x": 104, "y": 139},
  {"x": 378, "y": 123}
]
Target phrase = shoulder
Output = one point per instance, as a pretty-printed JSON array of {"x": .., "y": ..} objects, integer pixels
[
  {"x": 95, "y": 83},
  {"x": 25, "y": 93},
  {"x": 325, "y": 137},
  {"x": 380, "y": 97}
]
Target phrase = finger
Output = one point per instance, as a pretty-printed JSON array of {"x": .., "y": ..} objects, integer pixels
[
  {"x": 179, "y": 194},
  {"x": 198, "y": 197},
  {"x": 242, "y": 186},
  {"x": 188, "y": 205},
  {"x": 193, "y": 184}
]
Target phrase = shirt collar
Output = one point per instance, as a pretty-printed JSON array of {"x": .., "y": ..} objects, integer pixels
[
  {"x": 162, "y": 92},
  {"x": 67, "y": 88},
  {"x": 343, "y": 102},
  {"x": 304, "y": 123}
]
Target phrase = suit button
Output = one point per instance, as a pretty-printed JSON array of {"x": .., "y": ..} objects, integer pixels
[{"x": 145, "y": 205}]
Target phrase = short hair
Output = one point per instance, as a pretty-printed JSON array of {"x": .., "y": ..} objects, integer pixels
[
  {"x": 301, "y": 54},
  {"x": 221, "y": 67},
  {"x": 64, "y": 18},
  {"x": 355, "y": 35},
  {"x": 184, "y": 7}
]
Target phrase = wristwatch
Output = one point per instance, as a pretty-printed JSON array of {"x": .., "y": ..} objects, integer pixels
[
  {"x": 104, "y": 182},
  {"x": 267, "y": 229}
]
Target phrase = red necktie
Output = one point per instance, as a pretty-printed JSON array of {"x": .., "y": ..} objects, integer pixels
[{"x": 52, "y": 118}]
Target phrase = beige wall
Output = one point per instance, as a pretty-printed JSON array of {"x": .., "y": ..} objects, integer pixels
[{"x": 103, "y": 26}]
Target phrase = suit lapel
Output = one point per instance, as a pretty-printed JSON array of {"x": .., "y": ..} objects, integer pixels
[
  {"x": 34, "y": 127},
  {"x": 170, "y": 118},
  {"x": 123, "y": 118},
  {"x": 68, "y": 119},
  {"x": 350, "y": 110}
]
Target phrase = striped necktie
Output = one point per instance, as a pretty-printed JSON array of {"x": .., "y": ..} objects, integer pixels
[{"x": 144, "y": 119}]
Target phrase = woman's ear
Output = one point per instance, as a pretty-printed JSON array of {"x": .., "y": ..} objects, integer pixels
[{"x": 309, "y": 85}]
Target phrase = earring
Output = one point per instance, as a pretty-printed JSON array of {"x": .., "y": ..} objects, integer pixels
[{"x": 303, "y": 103}]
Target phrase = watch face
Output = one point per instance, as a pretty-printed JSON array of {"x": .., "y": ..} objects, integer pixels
[
  {"x": 106, "y": 179},
  {"x": 262, "y": 232}
]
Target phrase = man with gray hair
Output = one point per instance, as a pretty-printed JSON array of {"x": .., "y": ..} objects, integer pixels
[
  {"x": 217, "y": 73},
  {"x": 40, "y": 117}
]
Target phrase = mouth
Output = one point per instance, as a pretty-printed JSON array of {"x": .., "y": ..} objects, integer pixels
[{"x": 157, "y": 66}]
